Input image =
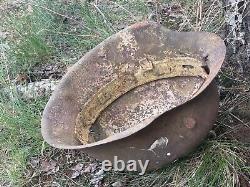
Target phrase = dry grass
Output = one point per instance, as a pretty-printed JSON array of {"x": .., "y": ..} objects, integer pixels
[{"x": 45, "y": 32}]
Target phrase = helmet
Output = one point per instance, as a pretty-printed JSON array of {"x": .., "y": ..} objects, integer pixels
[{"x": 144, "y": 93}]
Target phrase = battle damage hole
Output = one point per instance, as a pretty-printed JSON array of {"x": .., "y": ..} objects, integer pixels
[
  {"x": 206, "y": 68},
  {"x": 188, "y": 66}
]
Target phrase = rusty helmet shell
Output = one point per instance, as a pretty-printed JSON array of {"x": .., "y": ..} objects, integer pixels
[{"x": 171, "y": 73}]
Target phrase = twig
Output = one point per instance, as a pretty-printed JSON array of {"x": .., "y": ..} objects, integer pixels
[
  {"x": 65, "y": 33},
  {"x": 236, "y": 118},
  {"x": 62, "y": 15},
  {"x": 130, "y": 13},
  {"x": 186, "y": 19},
  {"x": 198, "y": 15},
  {"x": 157, "y": 11},
  {"x": 207, "y": 15},
  {"x": 43, "y": 148},
  {"x": 104, "y": 18}
]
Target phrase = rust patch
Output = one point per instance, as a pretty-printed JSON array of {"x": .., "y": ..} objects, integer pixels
[
  {"x": 140, "y": 25},
  {"x": 189, "y": 122},
  {"x": 128, "y": 44}
]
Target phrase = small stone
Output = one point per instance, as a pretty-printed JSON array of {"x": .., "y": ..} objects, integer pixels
[
  {"x": 100, "y": 172},
  {"x": 117, "y": 184}
]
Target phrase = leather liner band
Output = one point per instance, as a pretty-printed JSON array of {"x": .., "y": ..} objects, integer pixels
[{"x": 126, "y": 81}]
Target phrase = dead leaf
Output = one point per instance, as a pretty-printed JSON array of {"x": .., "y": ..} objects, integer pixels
[
  {"x": 90, "y": 168},
  {"x": 49, "y": 166},
  {"x": 76, "y": 171},
  {"x": 34, "y": 162},
  {"x": 21, "y": 78}
]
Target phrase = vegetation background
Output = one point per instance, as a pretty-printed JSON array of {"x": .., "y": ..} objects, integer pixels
[{"x": 40, "y": 39}]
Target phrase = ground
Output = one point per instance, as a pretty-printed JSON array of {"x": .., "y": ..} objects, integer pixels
[{"x": 41, "y": 39}]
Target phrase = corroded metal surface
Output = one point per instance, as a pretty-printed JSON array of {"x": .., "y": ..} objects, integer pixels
[
  {"x": 168, "y": 137},
  {"x": 143, "y": 103},
  {"x": 128, "y": 80},
  {"x": 130, "y": 83}
]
